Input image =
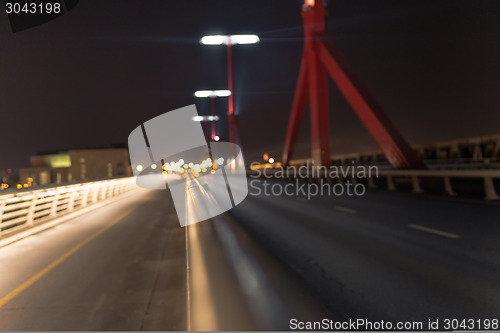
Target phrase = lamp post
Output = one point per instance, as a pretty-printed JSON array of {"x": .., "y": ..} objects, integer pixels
[
  {"x": 229, "y": 41},
  {"x": 212, "y": 94}
]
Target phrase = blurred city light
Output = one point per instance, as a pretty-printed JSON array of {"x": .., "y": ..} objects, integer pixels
[
  {"x": 212, "y": 93},
  {"x": 229, "y": 39},
  {"x": 205, "y": 118},
  {"x": 213, "y": 40}
]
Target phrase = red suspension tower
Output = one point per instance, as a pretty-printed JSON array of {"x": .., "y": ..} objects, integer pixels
[{"x": 320, "y": 58}]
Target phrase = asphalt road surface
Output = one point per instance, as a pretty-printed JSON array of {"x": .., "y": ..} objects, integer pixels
[
  {"x": 130, "y": 266},
  {"x": 385, "y": 255},
  {"x": 382, "y": 256}
]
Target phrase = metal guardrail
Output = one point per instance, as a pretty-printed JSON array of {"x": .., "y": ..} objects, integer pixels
[
  {"x": 486, "y": 175},
  {"x": 435, "y": 164},
  {"x": 28, "y": 208}
]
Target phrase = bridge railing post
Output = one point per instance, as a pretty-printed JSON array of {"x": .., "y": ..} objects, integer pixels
[
  {"x": 390, "y": 184},
  {"x": 30, "y": 217},
  {"x": 448, "y": 188},
  {"x": 85, "y": 196},
  {"x": 2, "y": 208},
  {"x": 416, "y": 188},
  {"x": 71, "y": 203},
  {"x": 489, "y": 189},
  {"x": 95, "y": 196},
  {"x": 104, "y": 192},
  {"x": 55, "y": 201},
  {"x": 371, "y": 183}
]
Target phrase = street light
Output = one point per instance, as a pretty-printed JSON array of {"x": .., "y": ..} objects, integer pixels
[
  {"x": 213, "y": 118},
  {"x": 212, "y": 93},
  {"x": 229, "y": 41}
]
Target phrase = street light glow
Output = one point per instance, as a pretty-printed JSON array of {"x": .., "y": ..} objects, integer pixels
[
  {"x": 205, "y": 118},
  {"x": 222, "y": 93},
  {"x": 214, "y": 40},
  {"x": 229, "y": 39},
  {"x": 244, "y": 39},
  {"x": 212, "y": 93}
]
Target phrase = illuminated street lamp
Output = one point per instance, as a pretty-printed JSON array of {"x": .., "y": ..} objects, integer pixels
[
  {"x": 212, "y": 93},
  {"x": 229, "y": 41},
  {"x": 213, "y": 118}
]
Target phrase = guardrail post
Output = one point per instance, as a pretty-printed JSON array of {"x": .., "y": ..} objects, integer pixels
[
  {"x": 107, "y": 191},
  {"x": 447, "y": 187},
  {"x": 55, "y": 200},
  {"x": 390, "y": 184},
  {"x": 489, "y": 189},
  {"x": 416, "y": 185},
  {"x": 96, "y": 194},
  {"x": 104, "y": 192},
  {"x": 2, "y": 208},
  {"x": 85, "y": 196},
  {"x": 31, "y": 210},
  {"x": 371, "y": 183},
  {"x": 71, "y": 203}
]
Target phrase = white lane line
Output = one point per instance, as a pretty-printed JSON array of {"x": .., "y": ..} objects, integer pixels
[
  {"x": 345, "y": 209},
  {"x": 434, "y": 231}
]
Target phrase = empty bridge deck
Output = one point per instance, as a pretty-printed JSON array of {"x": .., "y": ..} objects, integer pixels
[{"x": 125, "y": 266}]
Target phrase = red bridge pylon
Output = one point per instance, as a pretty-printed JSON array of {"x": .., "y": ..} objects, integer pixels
[{"x": 320, "y": 58}]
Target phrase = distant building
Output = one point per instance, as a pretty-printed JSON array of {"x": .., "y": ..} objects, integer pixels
[
  {"x": 75, "y": 165},
  {"x": 7, "y": 179}
]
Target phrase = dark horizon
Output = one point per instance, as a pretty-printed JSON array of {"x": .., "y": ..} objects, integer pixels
[{"x": 91, "y": 76}]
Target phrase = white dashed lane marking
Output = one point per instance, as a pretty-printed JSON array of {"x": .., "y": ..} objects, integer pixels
[{"x": 434, "y": 231}]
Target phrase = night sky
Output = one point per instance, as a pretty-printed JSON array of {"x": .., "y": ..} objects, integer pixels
[{"x": 88, "y": 78}]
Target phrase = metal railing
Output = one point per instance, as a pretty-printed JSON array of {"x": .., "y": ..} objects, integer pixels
[
  {"x": 487, "y": 177},
  {"x": 24, "y": 209}
]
